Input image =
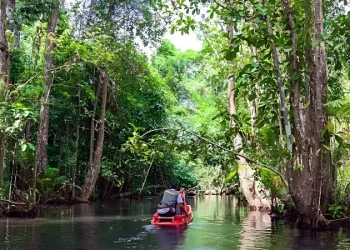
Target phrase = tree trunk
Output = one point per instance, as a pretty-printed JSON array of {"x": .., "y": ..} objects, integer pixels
[
  {"x": 11, "y": 8},
  {"x": 42, "y": 137},
  {"x": 92, "y": 128},
  {"x": 27, "y": 131},
  {"x": 94, "y": 167},
  {"x": 2, "y": 154},
  {"x": 43, "y": 130},
  {"x": 323, "y": 159},
  {"x": 4, "y": 55},
  {"x": 254, "y": 104},
  {"x": 246, "y": 174},
  {"x": 283, "y": 104},
  {"x": 310, "y": 176},
  {"x": 76, "y": 147}
]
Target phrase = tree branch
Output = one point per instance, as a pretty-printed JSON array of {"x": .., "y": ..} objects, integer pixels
[
  {"x": 15, "y": 203},
  {"x": 220, "y": 4},
  {"x": 272, "y": 169},
  {"x": 51, "y": 70},
  {"x": 144, "y": 182}
]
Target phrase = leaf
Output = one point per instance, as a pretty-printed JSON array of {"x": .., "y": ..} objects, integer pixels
[
  {"x": 17, "y": 123},
  {"x": 245, "y": 69},
  {"x": 338, "y": 46},
  {"x": 260, "y": 43},
  {"x": 330, "y": 127},
  {"x": 339, "y": 139},
  {"x": 255, "y": 65},
  {"x": 230, "y": 54},
  {"x": 161, "y": 155},
  {"x": 51, "y": 173},
  {"x": 31, "y": 146},
  {"x": 252, "y": 96},
  {"x": 26, "y": 113},
  {"x": 296, "y": 76},
  {"x": 212, "y": 15},
  {"x": 23, "y": 147},
  {"x": 231, "y": 175},
  {"x": 235, "y": 117},
  {"x": 60, "y": 179},
  {"x": 216, "y": 117}
]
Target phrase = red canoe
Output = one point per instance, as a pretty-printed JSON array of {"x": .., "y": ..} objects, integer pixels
[{"x": 177, "y": 220}]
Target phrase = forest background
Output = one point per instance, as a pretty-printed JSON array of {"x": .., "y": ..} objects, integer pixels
[{"x": 262, "y": 110}]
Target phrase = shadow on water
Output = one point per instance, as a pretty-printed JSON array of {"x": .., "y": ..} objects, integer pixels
[{"x": 219, "y": 223}]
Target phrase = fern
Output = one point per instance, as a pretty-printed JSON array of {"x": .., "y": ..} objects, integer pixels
[{"x": 339, "y": 107}]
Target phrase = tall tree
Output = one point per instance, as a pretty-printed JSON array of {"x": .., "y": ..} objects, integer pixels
[
  {"x": 4, "y": 77},
  {"x": 280, "y": 84},
  {"x": 310, "y": 184},
  {"x": 96, "y": 150},
  {"x": 43, "y": 129},
  {"x": 246, "y": 174}
]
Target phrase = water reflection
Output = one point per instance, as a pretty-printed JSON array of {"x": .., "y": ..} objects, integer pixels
[
  {"x": 89, "y": 231},
  {"x": 219, "y": 223},
  {"x": 34, "y": 242},
  {"x": 254, "y": 230}
]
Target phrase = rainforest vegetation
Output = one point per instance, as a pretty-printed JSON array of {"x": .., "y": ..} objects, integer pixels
[{"x": 88, "y": 112}]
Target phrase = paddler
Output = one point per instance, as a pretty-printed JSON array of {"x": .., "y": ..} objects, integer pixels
[{"x": 167, "y": 207}]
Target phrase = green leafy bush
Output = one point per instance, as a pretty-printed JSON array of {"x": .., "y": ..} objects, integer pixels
[
  {"x": 47, "y": 185},
  {"x": 337, "y": 211}
]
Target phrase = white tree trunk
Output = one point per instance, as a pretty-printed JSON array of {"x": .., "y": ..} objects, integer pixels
[{"x": 246, "y": 174}]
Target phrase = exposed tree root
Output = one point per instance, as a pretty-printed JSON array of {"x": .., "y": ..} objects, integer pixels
[
  {"x": 17, "y": 209},
  {"x": 14, "y": 203}
]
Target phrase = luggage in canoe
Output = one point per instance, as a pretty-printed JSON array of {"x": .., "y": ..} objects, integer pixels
[{"x": 175, "y": 221}]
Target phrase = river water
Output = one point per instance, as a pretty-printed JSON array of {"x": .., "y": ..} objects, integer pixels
[{"x": 219, "y": 223}]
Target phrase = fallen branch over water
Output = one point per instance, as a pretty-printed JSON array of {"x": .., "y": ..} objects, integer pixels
[{"x": 272, "y": 169}]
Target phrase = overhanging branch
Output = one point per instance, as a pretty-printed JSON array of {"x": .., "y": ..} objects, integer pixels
[
  {"x": 220, "y": 4},
  {"x": 272, "y": 169}
]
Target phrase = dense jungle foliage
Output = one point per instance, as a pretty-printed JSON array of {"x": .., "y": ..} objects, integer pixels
[{"x": 262, "y": 110}]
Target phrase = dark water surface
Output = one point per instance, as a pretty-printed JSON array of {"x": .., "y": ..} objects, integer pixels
[{"x": 218, "y": 224}]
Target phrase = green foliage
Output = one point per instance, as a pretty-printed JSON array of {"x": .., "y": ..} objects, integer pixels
[
  {"x": 48, "y": 185},
  {"x": 182, "y": 89},
  {"x": 182, "y": 174},
  {"x": 337, "y": 211},
  {"x": 4, "y": 190}
]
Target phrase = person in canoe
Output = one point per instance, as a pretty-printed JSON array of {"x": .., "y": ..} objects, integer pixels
[
  {"x": 167, "y": 206},
  {"x": 181, "y": 192}
]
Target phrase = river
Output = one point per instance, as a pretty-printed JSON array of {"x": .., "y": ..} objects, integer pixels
[{"x": 219, "y": 223}]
